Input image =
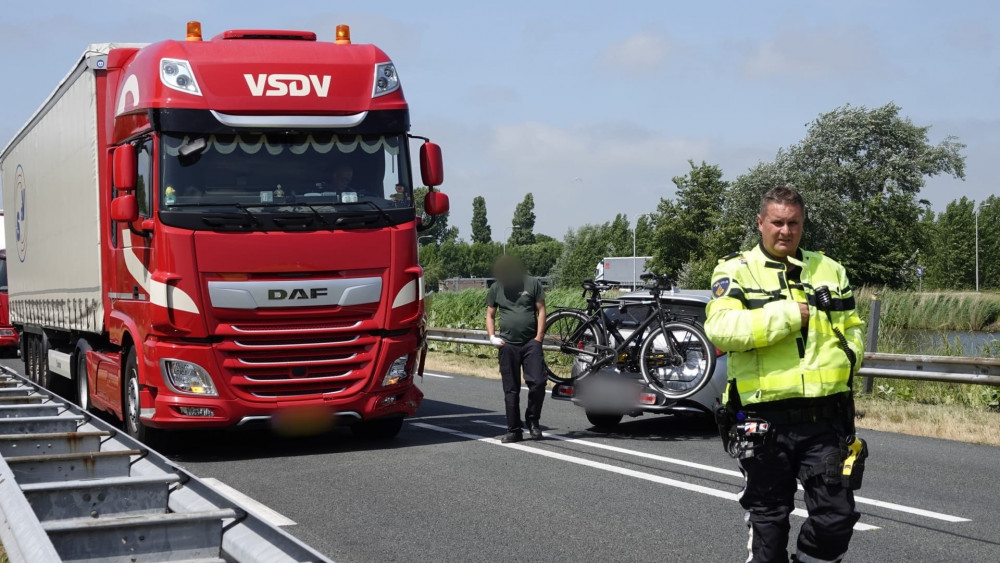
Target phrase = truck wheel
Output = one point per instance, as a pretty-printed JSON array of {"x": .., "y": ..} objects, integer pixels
[
  {"x": 31, "y": 362},
  {"x": 379, "y": 429},
  {"x": 130, "y": 399},
  {"x": 604, "y": 421},
  {"x": 82, "y": 382},
  {"x": 42, "y": 345}
]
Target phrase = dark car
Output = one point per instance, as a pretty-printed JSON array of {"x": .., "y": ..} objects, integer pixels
[{"x": 610, "y": 394}]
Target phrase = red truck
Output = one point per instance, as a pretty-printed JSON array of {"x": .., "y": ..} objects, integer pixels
[
  {"x": 8, "y": 335},
  {"x": 213, "y": 233}
]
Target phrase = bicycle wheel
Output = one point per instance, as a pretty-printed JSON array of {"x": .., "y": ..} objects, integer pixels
[
  {"x": 567, "y": 330},
  {"x": 684, "y": 374}
]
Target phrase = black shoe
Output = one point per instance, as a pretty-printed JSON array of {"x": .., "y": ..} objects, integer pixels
[
  {"x": 511, "y": 437},
  {"x": 535, "y": 431}
]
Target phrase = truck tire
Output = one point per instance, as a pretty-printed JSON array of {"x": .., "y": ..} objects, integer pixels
[
  {"x": 31, "y": 359},
  {"x": 378, "y": 429},
  {"x": 131, "y": 405},
  {"x": 82, "y": 383},
  {"x": 26, "y": 355},
  {"x": 604, "y": 421},
  {"x": 44, "y": 376}
]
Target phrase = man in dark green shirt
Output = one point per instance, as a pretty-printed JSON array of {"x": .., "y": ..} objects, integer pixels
[{"x": 520, "y": 300}]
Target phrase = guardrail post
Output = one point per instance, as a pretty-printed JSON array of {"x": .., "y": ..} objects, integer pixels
[{"x": 874, "y": 314}]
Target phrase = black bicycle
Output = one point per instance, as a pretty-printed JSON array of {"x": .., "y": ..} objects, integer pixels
[{"x": 670, "y": 350}]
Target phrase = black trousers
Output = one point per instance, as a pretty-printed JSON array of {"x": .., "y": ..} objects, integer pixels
[
  {"x": 770, "y": 490},
  {"x": 514, "y": 358}
]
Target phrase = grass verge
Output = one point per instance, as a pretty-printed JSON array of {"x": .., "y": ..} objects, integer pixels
[{"x": 950, "y": 422}]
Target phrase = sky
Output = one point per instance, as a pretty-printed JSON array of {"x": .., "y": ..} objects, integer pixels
[{"x": 594, "y": 106}]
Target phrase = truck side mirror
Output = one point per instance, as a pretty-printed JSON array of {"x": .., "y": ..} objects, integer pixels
[
  {"x": 436, "y": 203},
  {"x": 124, "y": 208},
  {"x": 431, "y": 164},
  {"x": 124, "y": 172}
]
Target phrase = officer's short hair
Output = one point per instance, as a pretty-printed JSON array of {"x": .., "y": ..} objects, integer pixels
[{"x": 782, "y": 194}]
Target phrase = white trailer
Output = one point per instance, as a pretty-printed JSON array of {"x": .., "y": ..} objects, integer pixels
[
  {"x": 622, "y": 270},
  {"x": 50, "y": 191}
]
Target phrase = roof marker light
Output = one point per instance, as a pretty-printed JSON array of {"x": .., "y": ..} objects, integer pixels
[
  {"x": 343, "y": 35},
  {"x": 194, "y": 30}
]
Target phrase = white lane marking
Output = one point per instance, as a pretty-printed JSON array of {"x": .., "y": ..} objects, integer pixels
[
  {"x": 439, "y": 375},
  {"x": 457, "y": 415},
  {"x": 635, "y": 453},
  {"x": 259, "y": 509},
  {"x": 712, "y": 469},
  {"x": 911, "y": 510},
  {"x": 607, "y": 467}
]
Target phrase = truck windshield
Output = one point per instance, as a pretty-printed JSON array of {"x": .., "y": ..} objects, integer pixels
[{"x": 257, "y": 181}]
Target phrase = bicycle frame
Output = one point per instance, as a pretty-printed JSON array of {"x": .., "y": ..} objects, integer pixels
[{"x": 604, "y": 355}]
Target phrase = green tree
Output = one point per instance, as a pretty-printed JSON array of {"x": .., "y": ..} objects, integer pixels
[
  {"x": 481, "y": 231},
  {"x": 989, "y": 243},
  {"x": 539, "y": 258},
  {"x": 685, "y": 226},
  {"x": 480, "y": 258},
  {"x": 523, "y": 225},
  {"x": 951, "y": 264},
  {"x": 645, "y": 230},
  {"x": 584, "y": 247},
  {"x": 860, "y": 171}
]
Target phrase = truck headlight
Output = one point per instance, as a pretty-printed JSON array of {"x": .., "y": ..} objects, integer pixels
[
  {"x": 397, "y": 371},
  {"x": 386, "y": 79},
  {"x": 176, "y": 74},
  {"x": 188, "y": 378}
]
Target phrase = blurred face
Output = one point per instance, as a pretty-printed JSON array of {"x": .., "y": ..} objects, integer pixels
[
  {"x": 342, "y": 177},
  {"x": 781, "y": 229}
]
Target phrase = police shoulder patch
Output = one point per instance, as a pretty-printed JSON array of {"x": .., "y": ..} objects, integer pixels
[{"x": 720, "y": 288}]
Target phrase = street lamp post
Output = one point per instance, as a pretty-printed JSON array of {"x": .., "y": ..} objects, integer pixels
[{"x": 981, "y": 206}]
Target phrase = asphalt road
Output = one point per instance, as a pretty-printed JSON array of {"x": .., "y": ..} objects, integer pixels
[{"x": 657, "y": 489}]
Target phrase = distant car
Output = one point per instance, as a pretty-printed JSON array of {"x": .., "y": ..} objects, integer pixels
[{"x": 607, "y": 396}]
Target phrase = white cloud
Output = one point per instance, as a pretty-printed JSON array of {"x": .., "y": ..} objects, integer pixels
[
  {"x": 806, "y": 51},
  {"x": 643, "y": 51}
]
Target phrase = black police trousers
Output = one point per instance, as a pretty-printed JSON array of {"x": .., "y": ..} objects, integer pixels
[
  {"x": 768, "y": 496},
  {"x": 514, "y": 358}
]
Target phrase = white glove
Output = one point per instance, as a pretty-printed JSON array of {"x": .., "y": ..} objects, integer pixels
[{"x": 496, "y": 341}]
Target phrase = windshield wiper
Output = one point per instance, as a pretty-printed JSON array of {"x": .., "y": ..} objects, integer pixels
[
  {"x": 319, "y": 216},
  {"x": 226, "y": 219},
  {"x": 364, "y": 218}
]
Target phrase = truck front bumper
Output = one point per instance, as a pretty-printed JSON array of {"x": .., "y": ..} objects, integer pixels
[{"x": 361, "y": 398}]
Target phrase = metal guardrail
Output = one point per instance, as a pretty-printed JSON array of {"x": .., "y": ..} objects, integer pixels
[
  {"x": 947, "y": 369},
  {"x": 74, "y": 488}
]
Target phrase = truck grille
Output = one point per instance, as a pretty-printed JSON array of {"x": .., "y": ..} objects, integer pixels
[{"x": 295, "y": 361}]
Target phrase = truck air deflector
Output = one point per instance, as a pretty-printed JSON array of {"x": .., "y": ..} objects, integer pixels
[
  {"x": 291, "y": 121},
  {"x": 311, "y": 293}
]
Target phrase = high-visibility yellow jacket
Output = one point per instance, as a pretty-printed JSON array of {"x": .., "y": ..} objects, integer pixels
[{"x": 754, "y": 315}]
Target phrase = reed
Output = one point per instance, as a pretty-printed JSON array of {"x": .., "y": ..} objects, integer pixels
[{"x": 962, "y": 311}]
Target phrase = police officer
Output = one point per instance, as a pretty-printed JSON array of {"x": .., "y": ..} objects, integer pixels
[{"x": 793, "y": 349}]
